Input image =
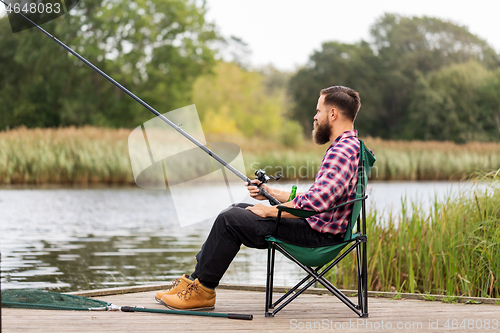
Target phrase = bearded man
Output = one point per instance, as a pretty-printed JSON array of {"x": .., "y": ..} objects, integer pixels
[{"x": 247, "y": 224}]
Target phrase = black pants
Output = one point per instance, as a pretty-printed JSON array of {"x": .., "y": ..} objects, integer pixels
[{"x": 235, "y": 226}]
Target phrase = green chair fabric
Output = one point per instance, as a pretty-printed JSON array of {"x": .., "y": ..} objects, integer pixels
[{"x": 311, "y": 256}]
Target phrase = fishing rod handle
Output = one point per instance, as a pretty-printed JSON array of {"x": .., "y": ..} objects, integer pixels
[
  {"x": 272, "y": 200},
  {"x": 127, "y": 308},
  {"x": 240, "y": 316}
]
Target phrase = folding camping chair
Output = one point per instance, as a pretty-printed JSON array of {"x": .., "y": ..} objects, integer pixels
[{"x": 318, "y": 257}]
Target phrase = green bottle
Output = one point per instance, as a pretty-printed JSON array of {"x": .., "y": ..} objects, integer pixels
[{"x": 293, "y": 193}]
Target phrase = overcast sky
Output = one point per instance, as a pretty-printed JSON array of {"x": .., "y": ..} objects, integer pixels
[{"x": 285, "y": 33}]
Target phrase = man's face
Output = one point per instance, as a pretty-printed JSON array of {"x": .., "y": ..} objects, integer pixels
[{"x": 321, "y": 128}]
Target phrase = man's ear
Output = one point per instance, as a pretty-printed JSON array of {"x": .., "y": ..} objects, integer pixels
[{"x": 334, "y": 114}]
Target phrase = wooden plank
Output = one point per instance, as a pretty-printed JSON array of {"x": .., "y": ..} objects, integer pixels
[{"x": 306, "y": 311}]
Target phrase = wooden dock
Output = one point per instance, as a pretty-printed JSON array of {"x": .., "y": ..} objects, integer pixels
[{"x": 309, "y": 312}]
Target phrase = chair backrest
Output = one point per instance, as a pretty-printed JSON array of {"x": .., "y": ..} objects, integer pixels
[{"x": 366, "y": 161}]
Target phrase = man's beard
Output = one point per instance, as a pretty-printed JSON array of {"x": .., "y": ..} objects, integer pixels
[{"x": 322, "y": 132}]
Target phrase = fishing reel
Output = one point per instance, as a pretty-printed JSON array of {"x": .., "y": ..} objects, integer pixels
[{"x": 263, "y": 178}]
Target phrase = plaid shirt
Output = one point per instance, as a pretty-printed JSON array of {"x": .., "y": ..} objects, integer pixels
[{"x": 335, "y": 183}]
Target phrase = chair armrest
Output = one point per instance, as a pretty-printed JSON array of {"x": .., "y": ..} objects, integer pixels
[{"x": 303, "y": 213}]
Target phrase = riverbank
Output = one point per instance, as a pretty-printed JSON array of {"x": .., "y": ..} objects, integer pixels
[{"x": 100, "y": 155}]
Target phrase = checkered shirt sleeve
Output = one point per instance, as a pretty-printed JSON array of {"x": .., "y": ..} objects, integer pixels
[{"x": 335, "y": 183}]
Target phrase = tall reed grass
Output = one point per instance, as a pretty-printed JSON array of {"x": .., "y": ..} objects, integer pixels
[
  {"x": 453, "y": 249},
  {"x": 90, "y": 154},
  {"x": 66, "y": 155},
  {"x": 396, "y": 160}
]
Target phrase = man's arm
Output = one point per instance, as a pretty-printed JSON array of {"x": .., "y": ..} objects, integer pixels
[
  {"x": 331, "y": 183},
  {"x": 271, "y": 211}
]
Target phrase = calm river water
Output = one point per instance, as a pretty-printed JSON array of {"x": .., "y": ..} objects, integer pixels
[{"x": 71, "y": 239}]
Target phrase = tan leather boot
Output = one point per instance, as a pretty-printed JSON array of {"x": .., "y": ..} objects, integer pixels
[
  {"x": 178, "y": 285},
  {"x": 194, "y": 297}
]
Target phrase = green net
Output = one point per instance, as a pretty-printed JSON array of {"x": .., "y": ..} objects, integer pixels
[{"x": 42, "y": 299}]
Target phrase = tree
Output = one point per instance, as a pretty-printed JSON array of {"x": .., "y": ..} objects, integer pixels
[
  {"x": 352, "y": 65},
  {"x": 385, "y": 71},
  {"x": 410, "y": 45},
  {"x": 154, "y": 48},
  {"x": 488, "y": 101},
  {"x": 445, "y": 105},
  {"x": 241, "y": 102}
]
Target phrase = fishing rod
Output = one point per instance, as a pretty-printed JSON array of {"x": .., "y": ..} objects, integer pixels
[
  {"x": 112, "y": 307},
  {"x": 262, "y": 179}
]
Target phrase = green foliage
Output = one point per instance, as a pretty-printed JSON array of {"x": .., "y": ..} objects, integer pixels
[
  {"x": 427, "y": 43},
  {"x": 156, "y": 53},
  {"x": 392, "y": 75},
  {"x": 469, "y": 301},
  {"x": 291, "y": 134},
  {"x": 451, "y": 299},
  {"x": 488, "y": 102},
  {"x": 456, "y": 91},
  {"x": 397, "y": 296},
  {"x": 429, "y": 297}
]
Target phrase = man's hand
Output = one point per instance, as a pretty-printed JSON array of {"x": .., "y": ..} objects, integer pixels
[
  {"x": 262, "y": 210},
  {"x": 254, "y": 190},
  {"x": 281, "y": 196}
]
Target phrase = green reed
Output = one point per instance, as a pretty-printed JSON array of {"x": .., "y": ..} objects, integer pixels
[
  {"x": 67, "y": 155},
  {"x": 452, "y": 249},
  {"x": 396, "y": 160},
  {"x": 91, "y": 154}
]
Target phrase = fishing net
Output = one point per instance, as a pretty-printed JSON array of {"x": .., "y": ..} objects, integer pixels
[{"x": 42, "y": 299}]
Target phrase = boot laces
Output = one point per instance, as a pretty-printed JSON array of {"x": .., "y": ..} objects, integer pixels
[
  {"x": 188, "y": 291},
  {"x": 176, "y": 282}
]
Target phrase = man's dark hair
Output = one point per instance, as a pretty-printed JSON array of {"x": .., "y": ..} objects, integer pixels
[{"x": 346, "y": 99}]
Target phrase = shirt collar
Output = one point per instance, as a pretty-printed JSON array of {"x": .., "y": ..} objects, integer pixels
[{"x": 343, "y": 136}]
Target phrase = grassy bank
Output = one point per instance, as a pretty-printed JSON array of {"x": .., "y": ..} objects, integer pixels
[
  {"x": 89, "y": 154},
  {"x": 453, "y": 249}
]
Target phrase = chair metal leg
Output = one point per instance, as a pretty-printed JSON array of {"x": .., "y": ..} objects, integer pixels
[
  {"x": 269, "y": 282},
  {"x": 293, "y": 297},
  {"x": 319, "y": 277},
  {"x": 360, "y": 282},
  {"x": 304, "y": 280},
  {"x": 364, "y": 272},
  {"x": 364, "y": 284},
  {"x": 361, "y": 309}
]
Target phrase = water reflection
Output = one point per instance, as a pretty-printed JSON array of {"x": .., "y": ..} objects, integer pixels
[{"x": 94, "y": 262}]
